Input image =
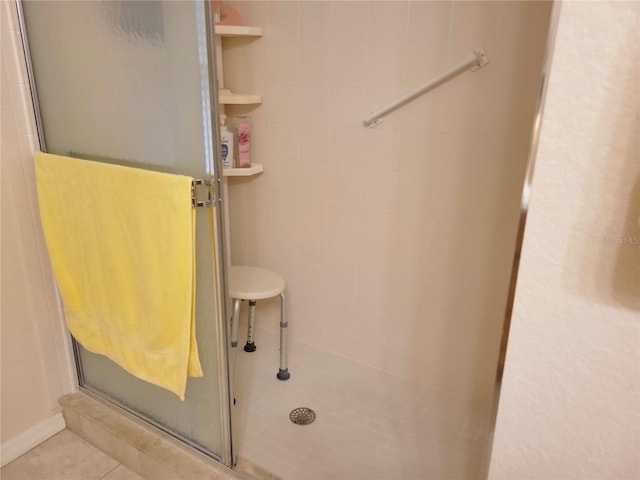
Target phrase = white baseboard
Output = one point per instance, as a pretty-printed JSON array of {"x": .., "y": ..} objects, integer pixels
[{"x": 12, "y": 449}]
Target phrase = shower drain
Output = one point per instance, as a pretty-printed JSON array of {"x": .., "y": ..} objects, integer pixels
[{"x": 302, "y": 416}]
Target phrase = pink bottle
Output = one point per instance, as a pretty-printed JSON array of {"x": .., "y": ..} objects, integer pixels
[{"x": 244, "y": 145}]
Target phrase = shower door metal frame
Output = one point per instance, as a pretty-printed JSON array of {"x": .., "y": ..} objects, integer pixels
[
  {"x": 213, "y": 162},
  {"x": 524, "y": 209}
]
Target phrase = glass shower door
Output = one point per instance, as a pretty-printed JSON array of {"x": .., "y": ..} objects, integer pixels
[{"x": 129, "y": 82}]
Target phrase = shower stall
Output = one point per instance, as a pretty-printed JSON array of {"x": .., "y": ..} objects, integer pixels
[{"x": 396, "y": 239}]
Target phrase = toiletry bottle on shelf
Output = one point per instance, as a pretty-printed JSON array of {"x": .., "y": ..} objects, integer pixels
[
  {"x": 244, "y": 145},
  {"x": 226, "y": 139}
]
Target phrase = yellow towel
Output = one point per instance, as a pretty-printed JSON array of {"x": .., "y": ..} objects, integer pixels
[{"x": 122, "y": 245}]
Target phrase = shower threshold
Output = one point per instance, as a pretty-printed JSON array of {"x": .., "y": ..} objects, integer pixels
[{"x": 147, "y": 451}]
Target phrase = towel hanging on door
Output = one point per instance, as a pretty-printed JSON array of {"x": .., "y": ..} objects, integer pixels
[{"x": 122, "y": 245}]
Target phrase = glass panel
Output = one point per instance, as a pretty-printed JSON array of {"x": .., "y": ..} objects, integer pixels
[{"x": 120, "y": 81}]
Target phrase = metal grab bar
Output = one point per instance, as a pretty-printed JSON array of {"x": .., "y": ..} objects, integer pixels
[{"x": 475, "y": 60}]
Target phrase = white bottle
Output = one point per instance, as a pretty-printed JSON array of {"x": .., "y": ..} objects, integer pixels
[{"x": 226, "y": 140}]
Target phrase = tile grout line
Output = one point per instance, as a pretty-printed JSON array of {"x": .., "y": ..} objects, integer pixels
[{"x": 110, "y": 471}]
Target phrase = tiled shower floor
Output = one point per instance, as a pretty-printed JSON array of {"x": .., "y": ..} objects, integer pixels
[{"x": 369, "y": 425}]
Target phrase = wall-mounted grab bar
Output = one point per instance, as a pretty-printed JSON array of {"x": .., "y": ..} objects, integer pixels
[{"x": 475, "y": 60}]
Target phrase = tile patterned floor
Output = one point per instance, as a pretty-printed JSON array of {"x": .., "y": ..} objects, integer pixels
[
  {"x": 66, "y": 456},
  {"x": 370, "y": 425}
]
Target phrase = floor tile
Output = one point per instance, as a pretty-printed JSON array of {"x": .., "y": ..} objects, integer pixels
[
  {"x": 64, "y": 456},
  {"x": 121, "y": 473}
]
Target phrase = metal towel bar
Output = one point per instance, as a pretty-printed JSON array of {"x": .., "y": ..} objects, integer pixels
[{"x": 474, "y": 60}]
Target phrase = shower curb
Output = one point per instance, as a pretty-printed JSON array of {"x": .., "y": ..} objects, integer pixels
[{"x": 145, "y": 450}]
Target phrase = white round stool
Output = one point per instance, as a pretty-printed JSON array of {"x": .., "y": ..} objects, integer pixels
[{"x": 253, "y": 283}]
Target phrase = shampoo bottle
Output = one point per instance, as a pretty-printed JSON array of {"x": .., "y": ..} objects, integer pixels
[
  {"x": 226, "y": 139},
  {"x": 244, "y": 145}
]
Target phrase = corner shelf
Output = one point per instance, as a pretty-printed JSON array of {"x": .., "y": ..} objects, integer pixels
[
  {"x": 226, "y": 97},
  {"x": 237, "y": 31},
  {"x": 254, "y": 169}
]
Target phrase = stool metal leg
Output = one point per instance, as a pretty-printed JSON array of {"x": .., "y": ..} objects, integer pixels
[
  {"x": 283, "y": 372},
  {"x": 250, "y": 345},
  {"x": 235, "y": 320}
]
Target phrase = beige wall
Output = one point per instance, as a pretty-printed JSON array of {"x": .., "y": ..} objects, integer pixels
[
  {"x": 395, "y": 242},
  {"x": 570, "y": 402},
  {"x": 35, "y": 366}
]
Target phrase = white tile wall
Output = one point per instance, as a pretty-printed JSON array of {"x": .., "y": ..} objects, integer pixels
[
  {"x": 395, "y": 242},
  {"x": 36, "y": 365}
]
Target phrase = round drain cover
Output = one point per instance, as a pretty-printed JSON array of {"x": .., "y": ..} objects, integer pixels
[{"x": 302, "y": 416}]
